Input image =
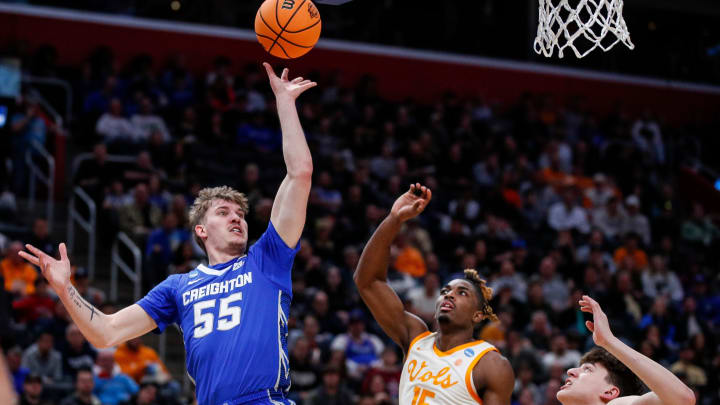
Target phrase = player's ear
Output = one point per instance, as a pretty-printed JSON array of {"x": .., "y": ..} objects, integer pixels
[
  {"x": 610, "y": 393},
  {"x": 478, "y": 316},
  {"x": 200, "y": 231}
]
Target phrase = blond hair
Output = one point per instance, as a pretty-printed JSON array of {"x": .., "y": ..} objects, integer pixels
[
  {"x": 485, "y": 293},
  {"x": 204, "y": 201}
]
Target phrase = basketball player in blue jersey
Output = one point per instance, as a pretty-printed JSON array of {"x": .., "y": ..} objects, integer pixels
[
  {"x": 448, "y": 367},
  {"x": 232, "y": 312}
]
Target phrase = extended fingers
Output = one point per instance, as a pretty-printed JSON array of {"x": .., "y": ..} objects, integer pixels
[
  {"x": 27, "y": 256},
  {"x": 285, "y": 73},
  {"x": 297, "y": 80},
  {"x": 37, "y": 252},
  {"x": 269, "y": 70}
]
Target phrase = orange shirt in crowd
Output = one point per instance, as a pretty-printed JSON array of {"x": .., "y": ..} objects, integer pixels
[
  {"x": 22, "y": 272},
  {"x": 135, "y": 363},
  {"x": 411, "y": 261},
  {"x": 639, "y": 257}
]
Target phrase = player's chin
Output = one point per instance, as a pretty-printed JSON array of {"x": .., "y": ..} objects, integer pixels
[{"x": 442, "y": 317}]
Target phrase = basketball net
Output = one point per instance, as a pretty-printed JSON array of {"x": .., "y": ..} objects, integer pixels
[{"x": 589, "y": 25}]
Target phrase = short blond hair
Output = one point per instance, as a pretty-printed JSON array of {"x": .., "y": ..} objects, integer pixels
[{"x": 204, "y": 201}]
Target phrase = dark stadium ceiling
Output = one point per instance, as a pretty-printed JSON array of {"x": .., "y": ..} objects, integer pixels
[{"x": 689, "y": 6}]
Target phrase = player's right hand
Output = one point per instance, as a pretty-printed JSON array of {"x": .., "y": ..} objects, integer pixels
[
  {"x": 412, "y": 203},
  {"x": 599, "y": 326},
  {"x": 57, "y": 272}
]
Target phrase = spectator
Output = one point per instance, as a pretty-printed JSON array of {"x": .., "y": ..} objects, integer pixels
[
  {"x": 699, "y": 229},
  {"x": 42, "y": 360},
  {"x": 423, "y": 299},
  {"x": 409, "y": 258},
  {"x": 32, "y": 393},
  {"x": 388, "y": 369},
  {"x": 661, "y": 281},
  {"x": 147, "y": 395},
  {"x": 601, "y": 192},
  {"x": 304, "y": 372},
  {"x": 361, "y": 349},
  {"x": 91, "y": 294},
  {"x": 96, "y": 174},
  {"x": 610, "y": 219},
  {"x": 138, "y": 361},
  {"x": 112, "y": 387},
  {"x": 76, "y": 352},
  {"x": 28, "y": 127},
  {"x": 139, "y": 217},
  {"x": 554, "y": 288},
  {"x": 332, "y": 391},
  {"x": 538, "y": 331},
  {"x": 19, "y": 275},
  {"x": 647, "y": 137},
  {"x": 567, "y": 214},
  {"x": 560, "y": 354},
  {"x": 40, "y": 237},
  {"x": 114, "y": 127},
  {"x": 17, "y": 371},
  {"x": 631, "y": 251},
  {"x": 635, "y": 221},
  {"x": 84, "y": 385},
  {"x": 146, "y": 123},
  {"x": 36, "y": 306},
  {"x": 509, "y": 278},
  {"x": 694, "y": 375}
]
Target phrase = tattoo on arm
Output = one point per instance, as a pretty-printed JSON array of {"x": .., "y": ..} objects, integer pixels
[{"x": 79, "y": 301}]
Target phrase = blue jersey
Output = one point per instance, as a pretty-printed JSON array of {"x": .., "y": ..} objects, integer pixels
[{"x": 234, "y": 322}]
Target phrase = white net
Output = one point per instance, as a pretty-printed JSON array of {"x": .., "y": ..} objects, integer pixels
[{"x": 581, "y": 25}]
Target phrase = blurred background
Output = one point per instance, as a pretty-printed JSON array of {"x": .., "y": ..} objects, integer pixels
[{"x": 552, "y": 177}]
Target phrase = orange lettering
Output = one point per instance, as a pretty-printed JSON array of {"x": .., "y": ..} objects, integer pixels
[
  {"x": 420, "y": 395},
  {"x": 437, "y": 379}
]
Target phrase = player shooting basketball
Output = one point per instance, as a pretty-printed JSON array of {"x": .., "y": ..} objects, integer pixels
[
  {"x": 233, "y": 312},
  {"x": 449, "y": 366},
  {"x": 611, "y": 373}
]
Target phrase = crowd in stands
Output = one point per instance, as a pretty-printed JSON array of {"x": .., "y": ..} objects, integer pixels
[{"x": 546, "y": 199}]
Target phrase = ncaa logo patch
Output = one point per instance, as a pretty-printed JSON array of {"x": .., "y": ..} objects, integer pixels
[
  {"x": 469, "y": 352},
  {"x": 193, "y": 273}
]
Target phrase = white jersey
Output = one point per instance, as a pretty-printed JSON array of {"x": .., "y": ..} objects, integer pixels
[{"x": 432, "y": 377}]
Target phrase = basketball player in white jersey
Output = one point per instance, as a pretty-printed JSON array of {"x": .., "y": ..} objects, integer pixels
[
  {"x": 610, "y": 374},
  {"x": 449, "y": 366}
]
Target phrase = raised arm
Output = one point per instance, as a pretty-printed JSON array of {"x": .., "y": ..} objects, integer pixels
[
  {"x": 371, "y": 273},
  {"x": 99, "y": 329},
  {"x": 666, "y": 388},
  {"x": 290, "y": 206}
]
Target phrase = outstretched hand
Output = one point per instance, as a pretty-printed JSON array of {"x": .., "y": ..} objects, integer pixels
[
  {"x": 599, "y": 326},
  {"x": 412, "y": 203},
  {"x": 282, "y": 87},
  {"x": 57, "y": 272}
]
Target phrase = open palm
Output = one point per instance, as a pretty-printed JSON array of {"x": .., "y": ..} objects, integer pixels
[
  {"x": 57, "y": 272},
  {"x": 412, "y": 203},
  {"x": 283, "y": 87}
]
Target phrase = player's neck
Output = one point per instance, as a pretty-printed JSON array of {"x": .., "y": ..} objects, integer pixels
[
  {"x": 217, "y": 257},
  {"x": 448, "y": 339}
]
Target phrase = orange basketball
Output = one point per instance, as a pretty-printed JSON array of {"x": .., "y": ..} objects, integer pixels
[{"x": 288, "y": 29}]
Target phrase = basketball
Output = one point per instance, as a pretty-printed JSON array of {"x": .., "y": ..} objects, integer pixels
[{"x": 287, "y": 29}]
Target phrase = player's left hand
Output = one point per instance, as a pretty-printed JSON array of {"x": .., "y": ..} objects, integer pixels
[
  {"x": 599, "y": 326},
  {"x": 282, "y": 87}
]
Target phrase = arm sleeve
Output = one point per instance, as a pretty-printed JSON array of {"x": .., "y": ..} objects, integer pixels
[
  {"x": 276, "y": 257},
  {"x": 160, "y": 303}
]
